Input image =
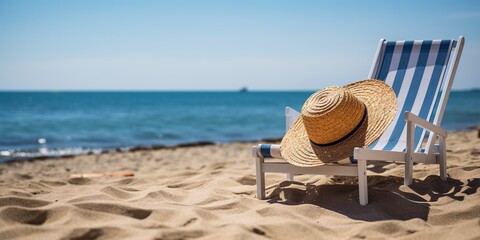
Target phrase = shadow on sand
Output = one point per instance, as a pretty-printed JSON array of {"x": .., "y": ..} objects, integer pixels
[{"x": 388, "y": 198}]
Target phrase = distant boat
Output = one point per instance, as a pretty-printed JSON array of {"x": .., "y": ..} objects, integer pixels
[{"x": 243, "y": 89}]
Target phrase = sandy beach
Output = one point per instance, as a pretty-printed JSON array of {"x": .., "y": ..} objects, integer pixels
[{"x": 209, "y": 192}]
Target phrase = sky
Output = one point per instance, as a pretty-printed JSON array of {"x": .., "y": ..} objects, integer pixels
[{"x": 218, "y": 45}]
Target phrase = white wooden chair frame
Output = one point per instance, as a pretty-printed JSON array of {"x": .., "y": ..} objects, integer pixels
[{"x": 363, "y": 155}]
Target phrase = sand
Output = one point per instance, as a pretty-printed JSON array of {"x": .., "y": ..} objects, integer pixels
[{"x": 209, "y": 192}]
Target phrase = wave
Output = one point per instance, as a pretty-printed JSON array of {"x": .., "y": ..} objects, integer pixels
[{"x": 9, "y": 155}]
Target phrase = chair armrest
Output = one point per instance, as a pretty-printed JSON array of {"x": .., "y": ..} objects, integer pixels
[
  {"x": 254, "y": 151},
  {"x": 425, "y": 124}
]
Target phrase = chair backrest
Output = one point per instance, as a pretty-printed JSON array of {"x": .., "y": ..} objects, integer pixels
[{"x": 421, "y": 73}]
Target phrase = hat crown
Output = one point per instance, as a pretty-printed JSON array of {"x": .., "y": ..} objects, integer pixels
[{"x": 331, "y": 114}]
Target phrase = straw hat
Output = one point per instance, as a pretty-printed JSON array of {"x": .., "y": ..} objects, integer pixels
[{"x": 335, "y": 120}]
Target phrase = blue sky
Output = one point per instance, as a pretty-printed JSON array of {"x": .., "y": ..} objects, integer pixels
[{"x": 217, "y": 45}]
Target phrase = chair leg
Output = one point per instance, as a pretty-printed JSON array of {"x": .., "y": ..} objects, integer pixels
[
  {"x": 260, "y": 177},
  {"x": 362, "y": 181},
  {"x": 408, "y": 171},
  {"x": 290, "y": 176},
  {"x": 408, "y": 156},
  {"x": 443, "y": 158}
]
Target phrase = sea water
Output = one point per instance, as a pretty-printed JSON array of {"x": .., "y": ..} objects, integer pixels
[{"x": 35, "y": 124}]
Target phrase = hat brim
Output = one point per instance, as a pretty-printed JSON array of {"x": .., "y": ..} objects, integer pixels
[{"x": 381, "y": 106}]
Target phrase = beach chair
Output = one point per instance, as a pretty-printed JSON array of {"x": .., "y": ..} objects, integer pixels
[{"x": 421, "y": 73}]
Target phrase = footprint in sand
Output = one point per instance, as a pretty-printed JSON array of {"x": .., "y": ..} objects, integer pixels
[
  {"x": 80, "y": 181},
  {"x": 117, "y": 209},
  {"x": 22, "y": 202},
  {"x": 475, "y": 152},
  {"x": 247, "y": 180},
  {"x": 24, "y": 216},
  {"x": 86, "y": 233},
  {"x": 23, "y": 176}
]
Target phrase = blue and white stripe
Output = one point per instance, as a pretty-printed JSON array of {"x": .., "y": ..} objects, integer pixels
[
  {"x": 269, "y": 151},
  {"x": 415, "y": 70}
]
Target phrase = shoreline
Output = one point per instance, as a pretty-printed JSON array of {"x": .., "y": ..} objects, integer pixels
[
  {"x": 162, "y": 146},
  {"x": 138, "y": 148}
]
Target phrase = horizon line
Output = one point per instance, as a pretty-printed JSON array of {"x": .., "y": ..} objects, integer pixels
[{"x": 186, "y": 90}]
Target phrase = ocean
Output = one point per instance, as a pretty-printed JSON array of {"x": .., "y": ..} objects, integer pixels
[{"x": 41, "y": 124}]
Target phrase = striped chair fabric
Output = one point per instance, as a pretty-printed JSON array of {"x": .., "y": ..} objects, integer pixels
[{"x": 415, "y": 70}]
